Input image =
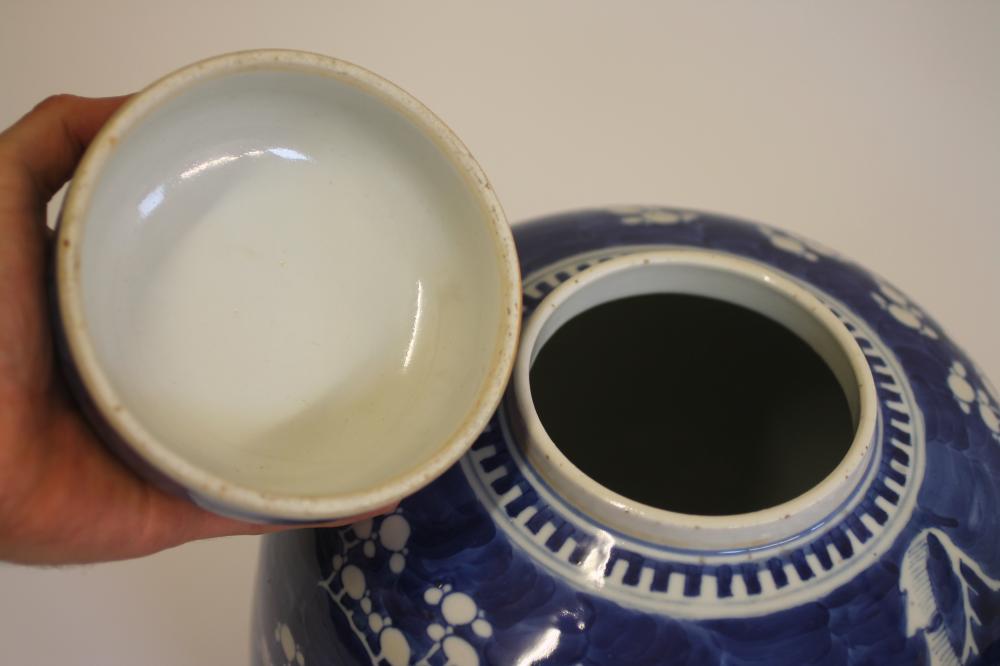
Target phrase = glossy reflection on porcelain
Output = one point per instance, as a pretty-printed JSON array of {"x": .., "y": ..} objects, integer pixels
[{"x": 290, "y": 278}]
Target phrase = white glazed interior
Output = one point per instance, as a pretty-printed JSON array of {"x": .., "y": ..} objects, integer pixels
[
  {"x": 282, "y": 278},
  {"x": 734, "y": 280}
]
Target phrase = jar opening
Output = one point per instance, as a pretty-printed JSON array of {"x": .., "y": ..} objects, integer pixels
[
  {"x": 693, "y": 397},
  {"x": 691, "y": 404}
]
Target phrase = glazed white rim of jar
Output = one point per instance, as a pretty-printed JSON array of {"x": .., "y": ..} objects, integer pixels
[
  {"x": 781, "y": 299},
  {"x": 208, "y": 489}
]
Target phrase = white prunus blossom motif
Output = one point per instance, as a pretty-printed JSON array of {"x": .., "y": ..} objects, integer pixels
[
  {"x": 958, "y": 382},
  {"x": 264, "y": 652},
  {"x": 922, "y": 612},
  {"x": 455, "y": 609},
  {"x": 287, "y": 648},
  {"x": 991, "y": 390},
  {"x": 905, "y": 312},
  {"x": 392, "y": 535},
  {"x": 975, "y": 399},
  {"x": 633, "y": 215},
  {"x": 447, "y": 608},
  {"x": 810, "y": 251}
]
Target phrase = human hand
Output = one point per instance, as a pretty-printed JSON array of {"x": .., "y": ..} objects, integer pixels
[{"x": 63, "y": 497}]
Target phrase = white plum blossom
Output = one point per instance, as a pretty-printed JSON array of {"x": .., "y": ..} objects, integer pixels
[
  {"x": 906, "y": 313},
  {"x": 348, "y": 587},
  {"x": 808, "y": 250},
  {"x": 634, "y": 215},
  {"x": 972, "y": 398}
]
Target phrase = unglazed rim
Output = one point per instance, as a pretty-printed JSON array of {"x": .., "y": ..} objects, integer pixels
[
  {"x": 710, "y": 532},
  {"x": 210, "y": 489}
]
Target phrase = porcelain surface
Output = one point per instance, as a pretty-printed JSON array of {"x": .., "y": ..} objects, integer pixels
[
  {"x": 502, "y": 561},
  {"x": 209, "y": 284},
  {"x": 641, "y": 270}
]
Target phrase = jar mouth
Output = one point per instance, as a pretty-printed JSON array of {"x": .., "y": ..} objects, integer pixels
[{"x": 721, "y": 277}]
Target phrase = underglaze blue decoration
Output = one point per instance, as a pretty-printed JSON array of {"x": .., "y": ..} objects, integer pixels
[{"x": 512, "y": 557}]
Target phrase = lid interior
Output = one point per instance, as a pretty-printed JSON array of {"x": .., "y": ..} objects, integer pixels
[{"x": 290, "y": 284}]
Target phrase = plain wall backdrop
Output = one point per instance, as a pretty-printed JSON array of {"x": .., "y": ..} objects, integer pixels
[{"x": 871, "y": 128}]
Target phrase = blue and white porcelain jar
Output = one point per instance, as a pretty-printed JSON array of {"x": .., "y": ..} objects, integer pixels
[{"x": 878, "y": 545}]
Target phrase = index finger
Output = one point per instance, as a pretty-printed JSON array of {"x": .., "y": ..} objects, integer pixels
[{"x": 48, "y": 142}]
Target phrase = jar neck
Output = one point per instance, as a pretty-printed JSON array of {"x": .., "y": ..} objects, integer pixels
[{"x": 724, "y": 277}]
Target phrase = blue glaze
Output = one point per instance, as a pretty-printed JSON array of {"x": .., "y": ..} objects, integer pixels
[{"x": 489, "y": 565}]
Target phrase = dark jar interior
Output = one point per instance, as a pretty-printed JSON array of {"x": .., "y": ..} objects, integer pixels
[{"x": 691, "y": 404}]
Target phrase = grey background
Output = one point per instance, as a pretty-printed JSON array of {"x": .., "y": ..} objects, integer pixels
[{"x": 872, "y": 128}]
